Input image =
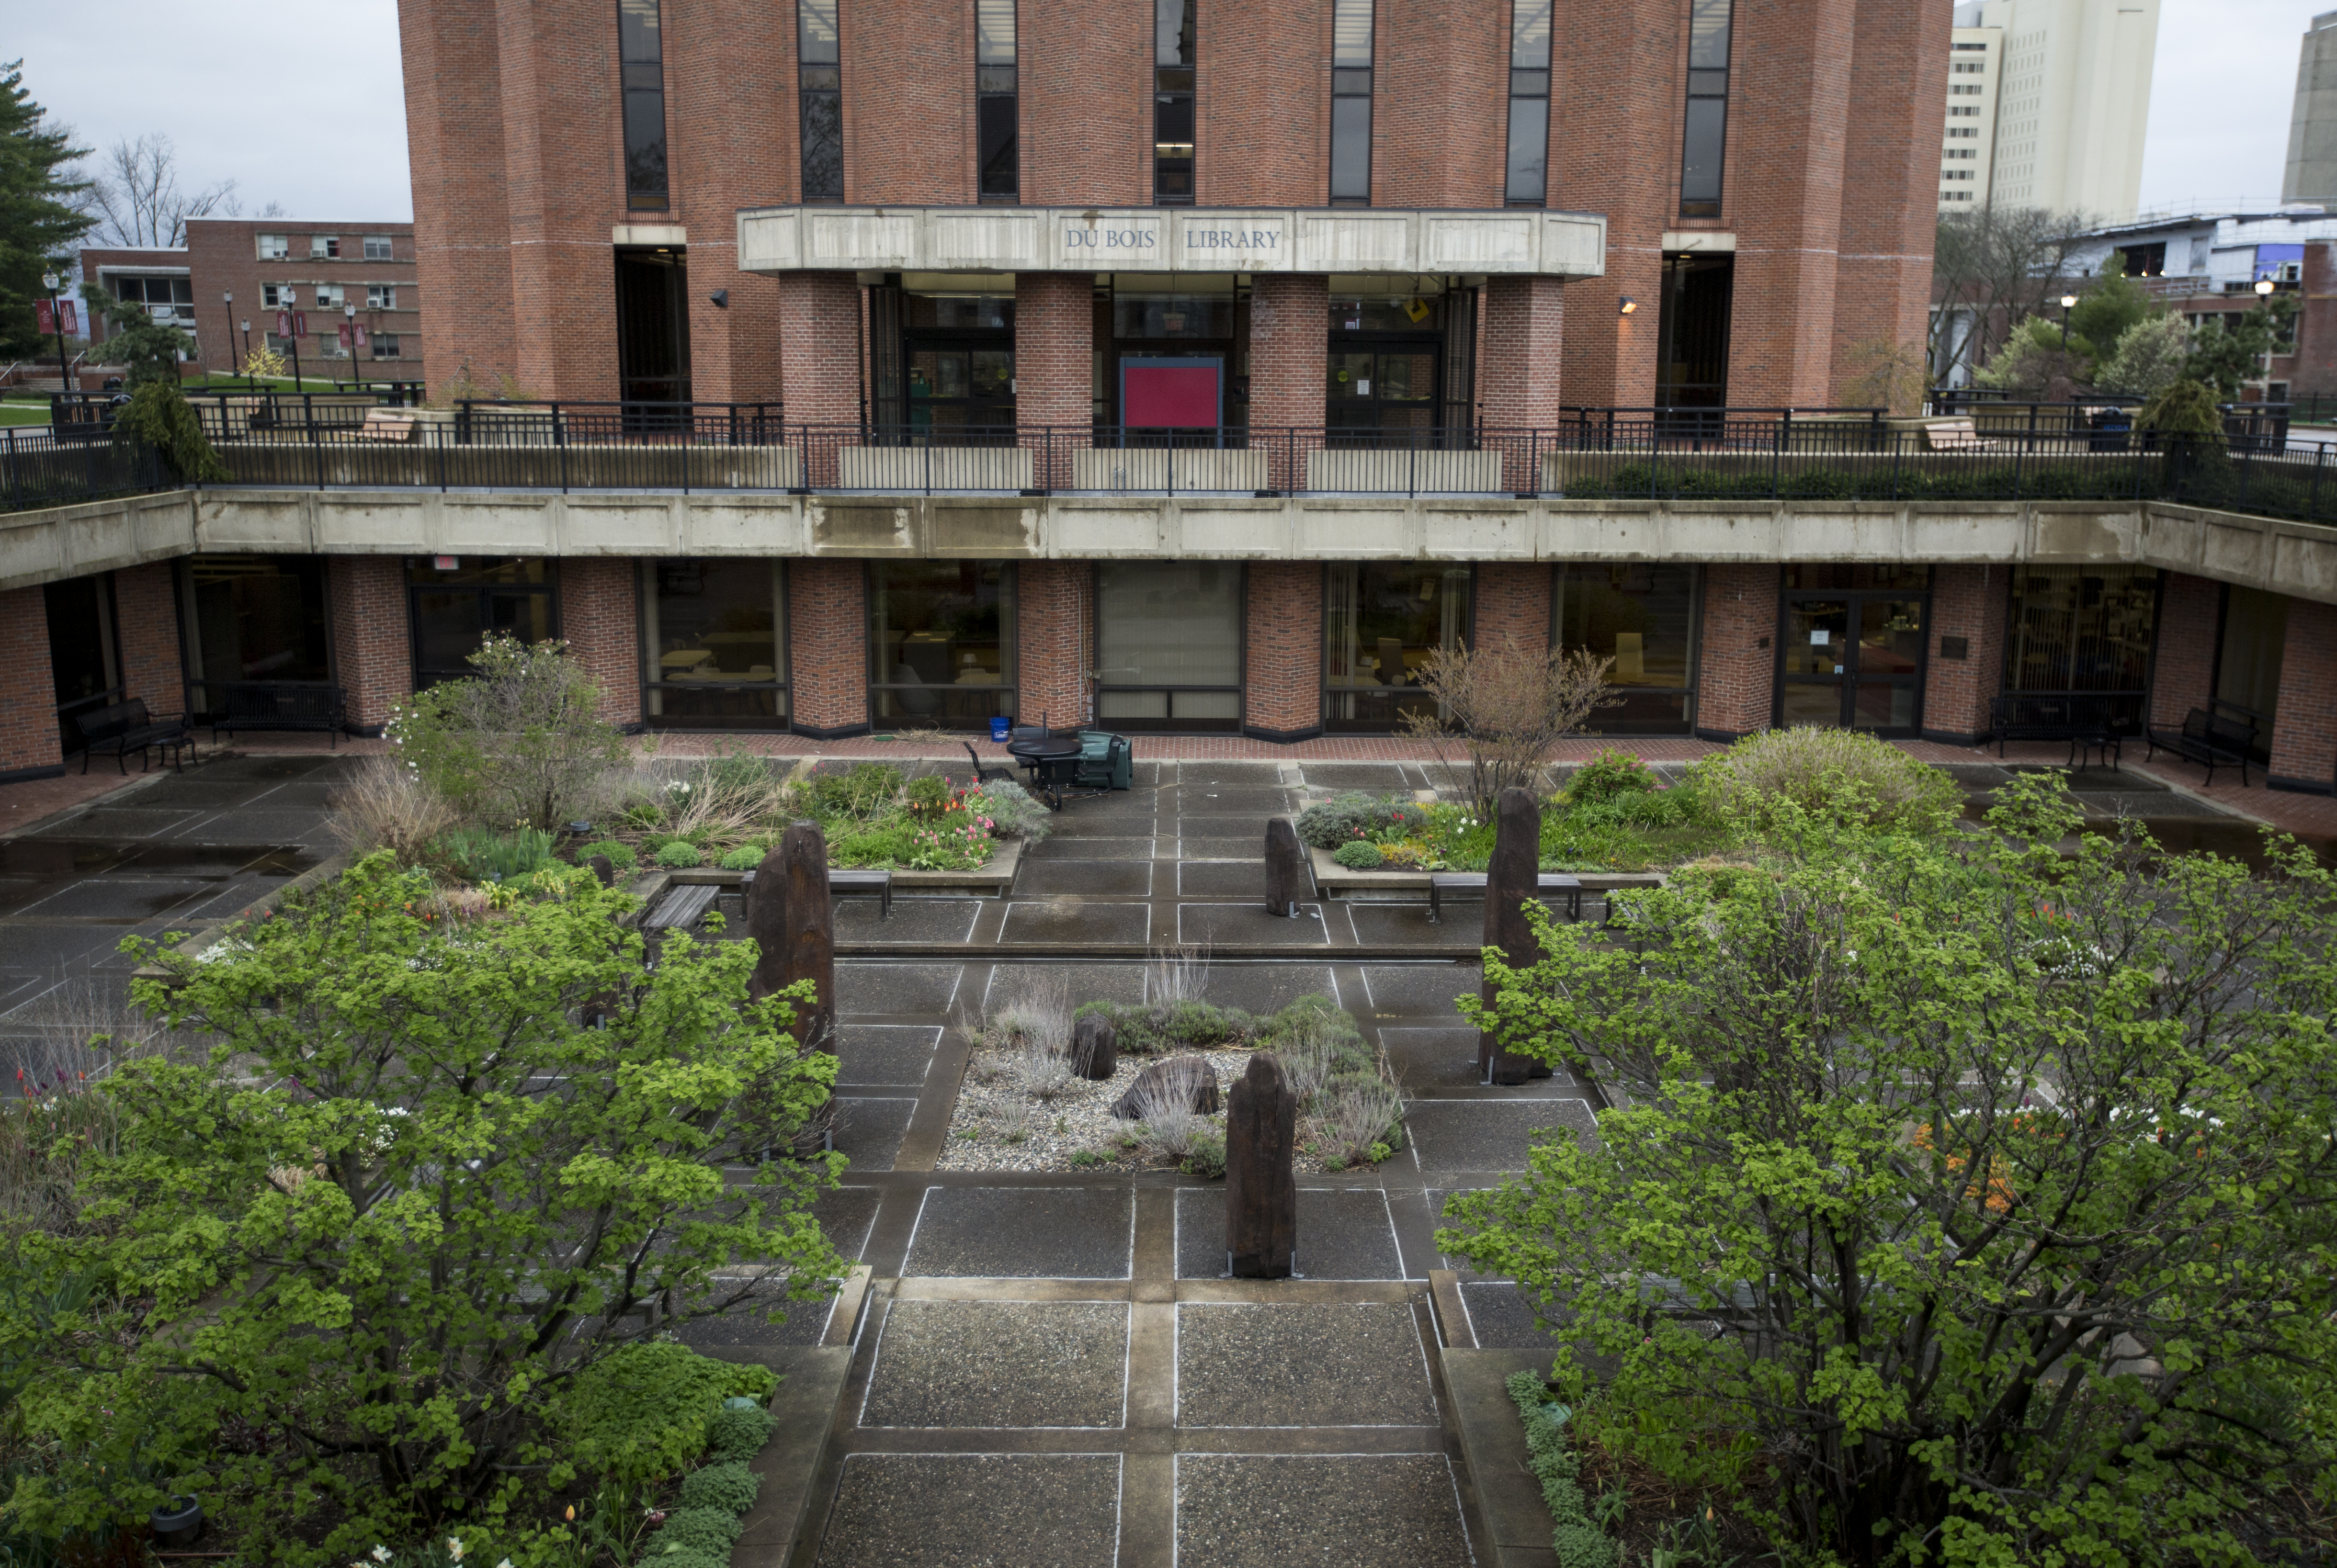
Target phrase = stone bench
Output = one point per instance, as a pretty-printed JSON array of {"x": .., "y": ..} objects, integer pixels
[
  {"x": 849, "y": 884},
  {"x": 1442, "y": 883}
]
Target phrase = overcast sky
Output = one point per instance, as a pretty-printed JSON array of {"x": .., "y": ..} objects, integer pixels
[{"x": 322, "y": 128}]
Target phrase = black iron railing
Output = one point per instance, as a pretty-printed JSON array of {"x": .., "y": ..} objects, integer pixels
[{"x": 39, "y": 468}]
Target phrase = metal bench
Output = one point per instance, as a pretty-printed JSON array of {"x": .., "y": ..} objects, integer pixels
[
  {"x": 846, "y": 884},
  {"x": 241, "y": 705},
  {"x": 1956, "y": 435},
  {"x": 1442, "y": 883},
  {"x": 2209, "y": 739},
  {"x": 681, "y": 908},
  {"x": 119, "y": 728},
  {"x": 2087, "y": 723}
]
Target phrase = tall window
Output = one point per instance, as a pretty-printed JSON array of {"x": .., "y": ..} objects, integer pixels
[
  {"x": 1642, "y": 616},
  {"x": 1172, "y": 101},
  {"x": 819, "y": 72},
  {"x": 2080, "y": 643},
  {"x": 941, "y": 642},
  {"x": 1168, "y": 644},
  {"x": 1707, "y": 125},
  {"x": 1351, "y": 102},
  {"x": 714, "y": 643},
  {"x": 1380, "y": 624},
  {"x": 1527, "y": 180},
  {"x": 997, "y": 107},
  {"x": 641, "y": 48}
]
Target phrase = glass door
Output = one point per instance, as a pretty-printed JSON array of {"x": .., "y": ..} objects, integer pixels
[
  {"x": 961, "y": 389},
  {"x": 1379, "y": 390},
  {"x": 1852, "y": 661}
]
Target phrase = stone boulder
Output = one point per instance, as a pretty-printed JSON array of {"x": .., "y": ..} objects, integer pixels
[
  {"x": 1180, "y": 1080},
  {"x": 1095, "y": 1049}
]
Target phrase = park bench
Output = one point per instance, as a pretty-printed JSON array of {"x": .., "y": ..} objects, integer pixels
[
  {"x": 2207, "y": 738},
  {"x": 2086, "y": 723},
  {"x": 842, "y": 885},
  {"x": 682, "y": 907},
  {"x": 388, "y": 425},
  {"x": 1442, "y": 883},
  {"x": 118, "y": 728},
  {"x": 241, "y": 705},
  {"x": 1956, "y": 435}
]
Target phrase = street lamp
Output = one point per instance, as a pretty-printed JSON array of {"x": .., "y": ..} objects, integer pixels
[
  {"x": 2264, "y": 287},
  {"x": 50, "y": 281},
  {"x": 356, "y": 367},
  {"x": 2069, "y": 303},
  {"x": 227, "y": 309}
]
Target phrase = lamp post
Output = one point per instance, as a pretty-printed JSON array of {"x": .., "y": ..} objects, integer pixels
[
  {"x": 2263, "y": 291},
  {"x": 356, "y": 367},
  {"x": 2069, "y": 303},
  {"x": 50, "y": 281},
  {"x": 249, "y": 386},
  {"x": 227, "y": 309},
  {"x": 292, "y": 333}
]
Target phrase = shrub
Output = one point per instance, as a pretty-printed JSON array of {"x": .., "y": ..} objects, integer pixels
[
  {"x": 893, "y": 844},
  {"x": 159, "y": 415},
  {"x": 1608, "y": 777},
  {"x": 1205, "y": 1156},
  {"x": 929, "y": 796},
  {"x": 1835, "y": 774},
  {"x": 1576, "y": 1542},
  {"x": 480, "y": 856},
  {"x": 645, "y": 1411},
  {"x": 862, "y": 793},
  {"x": 1493, "y": 714},
  {"x": 619, "y": 853},
  {"x": 1345, "y": 818},
  {"x": 713, "y": 1531},
  {"x": 385, "y": 805},
  {"x": 680, "y": 855},
  {"x": 521, "y": 740},
  {"x": 744, "y": 858},
  {"x": 1358, "y": 855},
  {"x": 2184, "y": 408},
  {"x": 726, "y": 1484},
  {"x": 1012, "y": 810},
  {"x": 740, "y": 1431}
]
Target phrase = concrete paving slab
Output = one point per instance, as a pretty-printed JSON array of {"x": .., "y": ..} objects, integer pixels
[
  {"x": 1486, "y": 1134},
  {"x": 869, "y": 1129},
  {"x": 1064, "y": 824},
  {"x": 1071, "y": 922},
  {"x": 1085, "y": 878},
  {"x": 1344, "y": 1233},
  {"x": 964, "y": 1510},
  {"x": 873, "y": 986},
  {"x": 1422, "y": 991},
  {"x": 1247, "y": 826},
  {"x": 118, "y": 898},
  {"x": 999, "y": 1364},
  {"x": 1345, "y": 1364},
  {"x": 748, "y": 1326},
  {"x": 1217, "y": 847},
  {"x": 1503, "y": 1320},
  {"x": 914, "y": 919},
  {"x": 1319, "y": 1511},
  {"x": 887, "y": 1054},
  {"x": 1221, "y": 879},
  {"x": 1195, "y": 800},
  {"x": 1269, "y": 987},
  {"x": 1228, "y": 772},
  {"x": 1024, "y": 1233},
  {"x": 1493, "y": 1443},
  {"x": 1392, "y": 924},
  {"x": 1086, "y": 982},
  {"x": 1087, "y": 849},
  {"x": 1430, "y": 1060},
  {"x": 116, "y": 823},
  {"x": 1248, "y": 923},
  {"x": 242, "y": 827},
  {"x": 1382, "y": 778}
]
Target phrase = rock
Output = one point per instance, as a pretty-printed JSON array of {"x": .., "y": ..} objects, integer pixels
[
  {"x": 793, "y": 921},
  {"x": 1261, "y": 1183},
  {"x": 605, "y": 869},
  {"x": 1095, "y": 1049},
  {"x": 1287, "y": 883},
  {"x": 1180, "y": 1080},
  {"x": 1510, "y": 881}
]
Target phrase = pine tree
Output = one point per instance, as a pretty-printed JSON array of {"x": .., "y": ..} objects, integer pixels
[{"x": 39, "y": 219}]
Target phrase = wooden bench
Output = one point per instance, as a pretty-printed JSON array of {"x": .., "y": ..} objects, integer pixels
[
  {"x": 240, "y": 705},
  {"x": 681, "y": 908},
  {"x": 388, "y": 425},
  {"x": 2209, "y": 739},
  {"x": 1956, "y": 435},
  {"x": 1442, "y": 883},
  {"x": 847, "y": 884},
  {"x": 119, "y": 728}
]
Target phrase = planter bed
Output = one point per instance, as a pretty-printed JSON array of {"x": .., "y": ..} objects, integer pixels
[
  {"x": 994, "y": 879},
  {"x": 1333, "y": 880}
]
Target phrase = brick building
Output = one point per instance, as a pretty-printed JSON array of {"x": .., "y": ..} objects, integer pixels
[{"x": 1071, "y": 354}]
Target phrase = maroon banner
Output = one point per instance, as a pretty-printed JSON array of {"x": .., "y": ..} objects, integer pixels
[
  {"x": 43, "y": 322},
  {"x": 283, "y": 324}
]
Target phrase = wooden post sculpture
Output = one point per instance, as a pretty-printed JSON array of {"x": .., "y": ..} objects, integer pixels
[
  {"x": 1511, "y": 880},
  {"x": 1261, "y": 1186},
  {"x": 1286, "y": 869},
  {"x": 1095, "y": 1049},
  {"x": 604, "y": 869},
  {"x": 793, "y": 921}
]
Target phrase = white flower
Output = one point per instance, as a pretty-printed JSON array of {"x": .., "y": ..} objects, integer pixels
[
  {"x": 380, "y": 1553},
  {"x": 455, "y": 1548}
]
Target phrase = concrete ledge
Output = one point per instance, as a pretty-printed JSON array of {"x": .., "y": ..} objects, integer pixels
[
  {"x": 994, "y": 881},
  {"x": 1332, "y": 879},
  {"x": 806, "y": 1406},
  {"x": 1515, "y": 1520}
]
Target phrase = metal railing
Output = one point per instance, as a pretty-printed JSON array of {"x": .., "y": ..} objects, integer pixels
[{"x": 38, "y": 469}]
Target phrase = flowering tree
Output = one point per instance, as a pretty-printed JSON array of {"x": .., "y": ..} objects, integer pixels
[{"x": 522, "y": 741}]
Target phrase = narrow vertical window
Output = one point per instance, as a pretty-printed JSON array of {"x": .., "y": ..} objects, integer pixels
[
  {"x": 642, "y": 52},
  {"x": 997, "y": 107},
  {"x": 1527, "y": 184},
  {"x": 1705, "y": 132},
  {"x": 1351, "y": 101},
  {"x": 1172, "y": 101},
  {"x": 819, "y": 73}
]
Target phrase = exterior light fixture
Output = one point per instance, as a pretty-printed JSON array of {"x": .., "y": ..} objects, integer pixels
[
  {"x": 2264, "y": 286},
  {"x": 1630, "y": 304},
  {"x": 721, "y": 298},
  {"x": 49, "y": 281},
  {"x": 2068, "y": 302}
]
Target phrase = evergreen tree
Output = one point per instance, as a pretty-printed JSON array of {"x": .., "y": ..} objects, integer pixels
[{"x": 39, "y": 219}]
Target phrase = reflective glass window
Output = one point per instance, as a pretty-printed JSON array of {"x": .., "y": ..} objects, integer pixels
[{"x": 941, "y": 642}]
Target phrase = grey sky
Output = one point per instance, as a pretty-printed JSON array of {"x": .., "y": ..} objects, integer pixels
[{"x": 322, "y": 127}]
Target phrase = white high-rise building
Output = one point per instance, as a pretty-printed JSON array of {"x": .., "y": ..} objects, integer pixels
[
  {"x": 2312, "y": 172},
  {"x": 2047, "y": 101}
]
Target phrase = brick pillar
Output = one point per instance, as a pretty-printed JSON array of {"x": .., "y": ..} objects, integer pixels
[
  {"x": 1055, "y": 369},
  {"x": 2183, "y": 672},
  {"x": 1519, "y": 360},
  {"x": 2305, "y": 721},
  {"x": 1054, "y": 617},
  {"x": 1513, "y": 605},
  {"x": 1971, "y": 602},
  {"x": 819, "y": 365},
  {"x": 827, "y": 651},
  {"x": 29, "y": 747},
  {"x": 1283, "y": 662},
  {"x": 600, "y": 618},
  {"x": 146, "y": 619},
  {"x": 373, "y": 658},
  {"x": 1737, "y": 674},
  {"x": 1290, "y": 335}
]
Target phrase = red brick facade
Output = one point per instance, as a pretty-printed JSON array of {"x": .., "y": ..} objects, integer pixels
[
  {"x": 1283, "y": 664},
  {"x": 1970, "y": 605},
  {"x": 2183, "y": 676},
  {"x": 827, "y": 660},
  {"x": 373, "y": 658},
  {"x": 601, "y": 620},
  {"x": 1055, "y": 626},
  {"x": 28, "y": 700},
  {"x": 1054, "y": 332},
  {"x": 2305, "y": 725},
  {"x": 1513, "y": 604},
  {"x": 1736, "y": 676},
  {"x": 146, "y": 616}
]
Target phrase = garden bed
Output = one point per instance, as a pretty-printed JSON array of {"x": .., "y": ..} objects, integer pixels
[
  {"x": 993, "y": 879},
  {"x": 1333, "y": 880}
]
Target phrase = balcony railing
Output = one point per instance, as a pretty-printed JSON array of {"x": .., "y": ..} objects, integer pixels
[{"x": 37, "y": 469}]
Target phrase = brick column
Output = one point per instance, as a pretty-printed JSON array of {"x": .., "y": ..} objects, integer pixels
[
  {"x": 146, "y": 619},
  {"x": 600, "y": 618},
  {"x": 1290, "y": 338},
  {"x": 2183, "y": 671},
  {"x": 1054, "y": 617},
  {"x": 1969, "y": 602},
  {"x": 373, "y": 657},
  {"x": 827, "y": 646},
  {"x": 819, "y": 366},
  {"x": 1513, "y": 605},
  {"x": 1281, "y": 677},
  {"x": 1737, "y": 667},
  {"x": 29, "y": 747},
  {"x": 2305, "y": 721},
  {"x": 1054, "y": 370},
  {"x": 1519, "y": 360}
]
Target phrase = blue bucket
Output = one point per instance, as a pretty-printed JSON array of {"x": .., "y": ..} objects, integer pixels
[{"x": 1001, "y": 728}]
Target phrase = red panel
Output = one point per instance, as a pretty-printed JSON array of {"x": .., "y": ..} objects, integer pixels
[{"x": 1184, "y": 395}]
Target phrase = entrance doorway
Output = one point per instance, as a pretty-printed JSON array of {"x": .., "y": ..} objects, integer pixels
[
  {"x": 942, "y": 360},
  {"x": 1400, "y": 366},
  {"x": 1692, "y": 331},
  {"x": 652, "y": 326},
  {"x": 1851, "y": 649},
  {"x": 85, "y": 664}
]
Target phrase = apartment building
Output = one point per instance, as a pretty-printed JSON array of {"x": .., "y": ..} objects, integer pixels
[{"x": 2055, "y": 94}]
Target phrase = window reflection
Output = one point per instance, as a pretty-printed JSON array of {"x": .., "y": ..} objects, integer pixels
[
  {"x": 941, "y": 641},
  {"x": 1380, "y": 621},
  {"x": 714, "y": 637},
  {"x": 1641, "y": 615}
]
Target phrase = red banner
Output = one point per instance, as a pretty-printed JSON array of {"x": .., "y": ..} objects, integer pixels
[
  {"x": 44, "y": 321},
  {"x": 283, "y": 324},
  {"x": 343, "y": 331},
  {"x": 299, "y": 323}
]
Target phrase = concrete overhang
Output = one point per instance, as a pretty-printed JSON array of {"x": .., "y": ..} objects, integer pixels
[{"x": 1511, "y": 242}]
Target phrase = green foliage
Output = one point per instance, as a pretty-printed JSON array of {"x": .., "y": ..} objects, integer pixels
[
  {"x": 2226, "y": 356},
  {"x": 619, "y": 853},
  {"x": 929, "y": 796},
  {"x": 860, "y": 793},
  {"x": 709, "y": 1530},
  {"x": 744, "y": 858},
  {"x": 2112, "y": 307},
  {"x": 41, "y": 219},
  {"x": 2149, "y": 357},
  {"x": 893, "y": 844},
  {"x": 521, "y": 741},
  {"x": 673, "y": 1553},
  {"x": 361, "y": 1221},
  {"x": 159, "y": 415},
  {"x": 1013, "y": 811},
  {"x": 1577, "y": 1539},
  {"x": 729, "y": 1484},
  {"x": 1608, "y": 777},
  {"x": 133, "y": 338},
  {"x": 739, "y": 1432},
  {"x": 1977, "y": 1190},
  {"x": 643, "y": 1412},
  {"x": 482, "y": 856},
  {"x": 1359, "y": 855},
  {"x": 1206, "y": 1158},
  {"x": 1842, "y": 775},
  {"x": 680, "y": 855},
  {"x": 2038, "y": 360},
  {"x": 2185, "y": 407},
  {"x": 1345, "y": 818}
]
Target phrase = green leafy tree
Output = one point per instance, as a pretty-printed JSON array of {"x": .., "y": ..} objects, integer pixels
[
  {"x": 521, "y": 742},
  {"x": 408, "y": 1199},
  {"x": 1983, "y": 1193},
  {"x": 2228, "y": 355},
  {"x": 2113, "y": 306},
  {"x": 159, "y": 415},
  {"x": 133, "y": 338},
  {"x": 41, "y": 216},
  {"x": 2187, "y": 408},
  {"x": 2149, "y": 358},
  {"x": 2039, "y": 360}
]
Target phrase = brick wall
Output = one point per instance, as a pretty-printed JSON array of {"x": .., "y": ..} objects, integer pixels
[
  {"x": 1521, "y": 357},
  {"x": 1055, "y": 619},
  {"x": 373, "y": 661},
  {"x": 729, "y": 81},
  {"x": 1972, "y": 602},
  {"x": 1513, "y": 605},
  {"x": 1084, "y": 71},
  {"x": 1054, "y": 368},
  {"x": 146, "y": 626},
  {"x": 1439, "y": 102},
  {"x": 911, "y": 52},
  {"x": 600, "y": 618},
  {"x": 827, "y": 657},
  {"x": 1289, "y": 345},
  {"x": 819, "y": 354},
  {"x": 2183, "y": 675},
  {"x": 1737, "y": 675},
  {"x": 1265, "y": 104},
  {"x": 455, "y": 148},
  {"x": 2305, "y": 725},
  {"x": 28, "y": 690},
  {"x": 1283, "y": 662}
]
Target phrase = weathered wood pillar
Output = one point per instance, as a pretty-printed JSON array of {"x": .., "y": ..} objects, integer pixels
[
  {"x": 1511, "y": 882},
  {"x": 792, "y": 919},
  {"x": 1261, "y": 1183},
  {"x": 1286, "y": 868}
]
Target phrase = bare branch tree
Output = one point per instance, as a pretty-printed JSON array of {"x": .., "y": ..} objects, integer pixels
[
  {"x": 1999, "y": 264},
  {"x": 136, "y": 198},
  {"x": 1499, "y": 711}
]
